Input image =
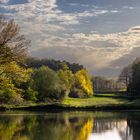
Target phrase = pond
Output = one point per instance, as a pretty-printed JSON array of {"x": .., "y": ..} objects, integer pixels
[{"x": 70, "y": 126}]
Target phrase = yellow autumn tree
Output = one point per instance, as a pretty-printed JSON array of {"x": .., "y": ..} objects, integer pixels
[{"x": 83, "y": 82}]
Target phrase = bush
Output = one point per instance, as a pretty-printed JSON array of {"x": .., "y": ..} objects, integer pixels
[
  {"x": 56, "y": 96},
  {"x": 10, "y": 95},
  {"x": 77, "y": 93},
  {"x": 30, "y": 95},
  {"x": 12, "y": 76}
]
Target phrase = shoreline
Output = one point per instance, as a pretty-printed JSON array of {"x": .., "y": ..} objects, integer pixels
[
  {"x": 59, "y": 107},
  {"x": 102, "y": 103}
]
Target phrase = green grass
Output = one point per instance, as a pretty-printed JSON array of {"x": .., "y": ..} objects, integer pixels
[
  {"x": 94, "y": 101},
  {"x": 104, "y": 102},
  {"x": 114, "y": 95},
  {"x": 108, "y": 95}
]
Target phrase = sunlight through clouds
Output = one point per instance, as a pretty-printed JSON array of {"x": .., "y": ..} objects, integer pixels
[{"x": 95, "y": 34}]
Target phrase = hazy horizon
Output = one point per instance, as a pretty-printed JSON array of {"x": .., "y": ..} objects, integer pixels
[{"x": 102, "y": 35}]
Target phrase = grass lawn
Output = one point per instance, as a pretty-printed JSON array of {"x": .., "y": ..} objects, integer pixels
[
  {"x": 105, "y": 102},
  {"x": 94, "y": 101}
]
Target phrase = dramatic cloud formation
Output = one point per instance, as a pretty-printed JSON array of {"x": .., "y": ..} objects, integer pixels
[
  {"x": 95, "y": 51},
  {"x": 99, "y": 35}
]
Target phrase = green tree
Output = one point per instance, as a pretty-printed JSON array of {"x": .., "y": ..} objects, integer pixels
[
  {"x": 55, "y": 65},
  {"x": 48, "y": 85},
  {"x": 126, "y": 75},
  {"x": 12, "y": 76},
  {"x": 67, "y": 78},
  {"x": 134, "y": 86},
  {"x": 130, "y": 75},
  {"x": 13, "y": 48},
  {"x": 30, "y": 94}
]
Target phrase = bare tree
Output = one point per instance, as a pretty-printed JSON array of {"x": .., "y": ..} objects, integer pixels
[{"x": 13, "y": 45}]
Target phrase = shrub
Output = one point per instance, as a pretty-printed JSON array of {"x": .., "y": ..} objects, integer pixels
[
  {"x": 9, "y": 94},
  {"x": 30, "y": 95},
  {"x": 77, "y": 93}
]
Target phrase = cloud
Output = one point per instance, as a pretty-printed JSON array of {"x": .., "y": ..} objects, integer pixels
[
  {"x": 40, "y": 17},
  {"x": 58, "y": 34},
  {"x": 89, "y": 58},
  {"x": 97, "y": 52},
  {"x": 135, "y": 29},
  {"x": 125, "y": 41},
  {"x": 46, "y": 11},
  {"x": 129, "y": 7},
  {"x": 4, "y": 1}
]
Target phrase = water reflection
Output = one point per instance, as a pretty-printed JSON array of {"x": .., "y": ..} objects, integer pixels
[{"x": 70, "y": 126}]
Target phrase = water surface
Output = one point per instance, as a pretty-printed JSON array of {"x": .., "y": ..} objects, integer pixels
[{"x": 70, "y": 126}]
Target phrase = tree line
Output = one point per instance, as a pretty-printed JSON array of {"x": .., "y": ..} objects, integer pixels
[
  {"x": 55, "y": 65},
  {"x": 28, "y": 79},
  {"x": 102, "y": 84}
]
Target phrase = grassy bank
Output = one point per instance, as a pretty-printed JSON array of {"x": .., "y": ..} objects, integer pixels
[
  {"x": 98, "y": 102},
  {"x": 94, "y": 101}
]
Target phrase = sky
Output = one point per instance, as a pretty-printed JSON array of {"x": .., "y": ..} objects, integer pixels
[{"x": 102, "y": 35}]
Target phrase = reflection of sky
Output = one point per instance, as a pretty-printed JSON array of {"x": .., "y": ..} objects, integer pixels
[
  {"x": 95, "y": 33},
  {"x": 118, "y": 131},
  {"x": 109, "y": 135}
]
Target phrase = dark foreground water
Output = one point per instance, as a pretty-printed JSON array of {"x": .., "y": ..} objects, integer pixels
[{"x": 70, "y": 126}]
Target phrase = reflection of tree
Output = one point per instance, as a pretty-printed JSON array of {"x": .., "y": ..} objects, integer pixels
[
  {"x": 128, "y": 127},
  {"x": 9, "y": 127},
  {"x": 102, "y": 125},
  {"x": 65, "y": 126},
  {"x": 134, "y": 125},
  {"x": 120, "y": 124},
  {"x": 85, "y": 130},
  {"x": 42, "y": 127},
  {"x": 14, "y": 128}
]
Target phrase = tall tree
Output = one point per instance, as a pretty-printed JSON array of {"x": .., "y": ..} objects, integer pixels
[
  {"x": 13, "y": 45},
  {"x": 130, "y": 75},
  {"x": 134, "y": 86},
  {"x": 126, "y": 75},
  {"x": 13, "y": 49}
]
